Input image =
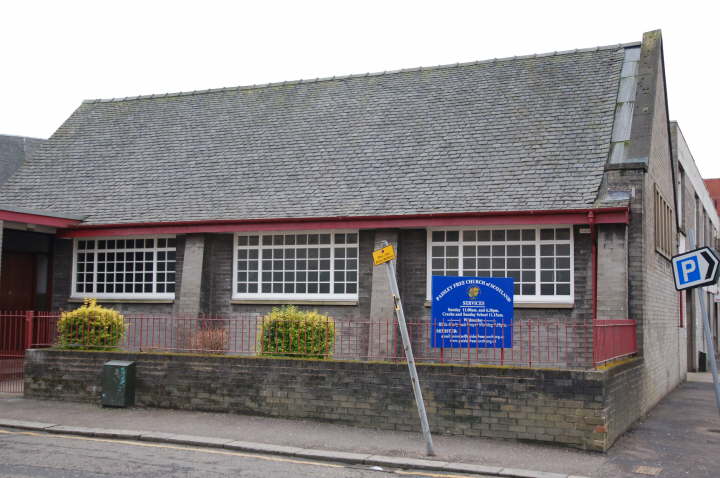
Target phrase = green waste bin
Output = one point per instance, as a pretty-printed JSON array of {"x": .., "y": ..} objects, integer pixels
[{"x": 118, "y": 384}]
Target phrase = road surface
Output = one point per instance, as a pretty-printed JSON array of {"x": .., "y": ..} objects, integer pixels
[{"x": 39, "y": 455}]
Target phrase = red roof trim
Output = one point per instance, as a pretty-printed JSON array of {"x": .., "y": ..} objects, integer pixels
[
  {"x": 37, "y": 219},
  {"x": 569, "y": 216}
]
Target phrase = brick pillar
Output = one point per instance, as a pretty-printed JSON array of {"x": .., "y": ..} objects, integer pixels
[
  {"x": 612, "y": 273},
  {"x": 383, "y": 333},
  {"x": 187, "y": 299}
]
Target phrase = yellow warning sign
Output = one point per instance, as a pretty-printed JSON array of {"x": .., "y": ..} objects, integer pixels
[{"x": 381, "y": 256}]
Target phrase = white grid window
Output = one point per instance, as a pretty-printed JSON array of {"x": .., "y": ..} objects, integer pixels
[
  {"x": 539, "y": 260},
  {"x": 314, "y": 265},
  {"x": 124, "y": 268}
]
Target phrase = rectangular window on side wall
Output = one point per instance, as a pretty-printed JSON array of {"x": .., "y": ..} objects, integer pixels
[
  {"x": 664, "y": 237},
  {"x": 539, "y": 259},
  {"x": 124, "y": 268},
  {"x": 296, "y": 265}
]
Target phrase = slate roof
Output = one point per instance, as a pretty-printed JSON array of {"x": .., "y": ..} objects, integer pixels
[
  {"x": 13, "y": 151},
  {"x": 527, "y": 133}
]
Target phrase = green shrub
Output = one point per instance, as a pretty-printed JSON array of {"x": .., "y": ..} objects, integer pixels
[
  {"x": 289, "y": 331},
  {"x": 90, "y": 327}
]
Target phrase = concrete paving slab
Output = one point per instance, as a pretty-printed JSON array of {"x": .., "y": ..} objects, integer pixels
[
  {"x": 339, "y": 456},
  {"x": 405, "y": 462},
  {"x": 518, "y": 473},
  {"x": 187, "y": 439},
  {"x": 120, "y": 434},
  {"x": 71, "y": 430},
  {"x": 470, "y": 468},
  {"x": 24, "y": 424},
  {"x": 262, "y": 448}
]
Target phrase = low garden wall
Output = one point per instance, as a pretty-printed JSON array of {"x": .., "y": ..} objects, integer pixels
[{"x": 583, "y": 409}]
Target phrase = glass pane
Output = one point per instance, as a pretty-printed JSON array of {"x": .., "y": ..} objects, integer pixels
[
  {"x": 483, "y": 235},
  {"x": 513, "y": 235},
  {"x": 547, "y": 234},
  {"x": 547, "y": 289},
  {"x": 438, "y": 236},
  {"x": 498, "y": 235},
  {"x": 452, "y": 236},
  {"x": 469, "y": 236},
  {"x": 528, "y": 235},
  {"x": 562, "y": 234}
]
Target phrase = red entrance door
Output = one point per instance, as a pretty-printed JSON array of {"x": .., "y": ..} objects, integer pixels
[{"x": 17, "y": 281}]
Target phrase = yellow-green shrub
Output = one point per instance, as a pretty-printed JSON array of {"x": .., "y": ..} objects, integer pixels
[
  {"x": 90, "y": 326},
  {"x": 289, "y": 331}
]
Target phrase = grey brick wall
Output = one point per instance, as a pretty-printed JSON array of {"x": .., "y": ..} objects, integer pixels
[
  {"x": 586, "y": 410},
  {"x": 660, "y": 320},
  {"x": 612, "y": 273},
  {"x": 653, "y": 301}
]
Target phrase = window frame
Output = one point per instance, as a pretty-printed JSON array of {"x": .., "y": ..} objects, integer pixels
[
  {"x": 663, "y": 215},
  {"x": 121, "y": 295},
  {"x": 518, "y": 299},
  {"x": 289, "y": 297}
]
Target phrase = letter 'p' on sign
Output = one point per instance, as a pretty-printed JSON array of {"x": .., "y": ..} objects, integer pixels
[{"x": 695, "y": 268}]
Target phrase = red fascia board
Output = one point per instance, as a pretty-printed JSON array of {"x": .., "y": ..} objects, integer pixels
[
  {"x": 571, "y": 216},
  {"x": 37, "y": 219}
]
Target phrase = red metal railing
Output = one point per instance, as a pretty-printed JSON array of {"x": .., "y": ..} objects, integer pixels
[
  {"x": 17, "y": 333},
  {"x": 554, "y": 343},
  {"x": 613, "y": 339}
]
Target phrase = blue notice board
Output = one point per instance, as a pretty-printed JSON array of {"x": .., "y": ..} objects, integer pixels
[{"x": 472, "y": 312}]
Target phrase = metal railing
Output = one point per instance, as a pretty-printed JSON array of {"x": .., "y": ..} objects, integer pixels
[
  {"x": 613, "y": 339},
  {"x": 538, "y": 343}
]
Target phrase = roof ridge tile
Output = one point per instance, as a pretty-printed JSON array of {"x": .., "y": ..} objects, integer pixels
[{"x": 363, "y": 75}]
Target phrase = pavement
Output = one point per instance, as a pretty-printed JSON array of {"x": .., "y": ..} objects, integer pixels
[{"x": 679, "y": 438}]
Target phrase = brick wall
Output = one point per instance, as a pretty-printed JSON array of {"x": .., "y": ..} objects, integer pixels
[{"x": 580, "y": 409}]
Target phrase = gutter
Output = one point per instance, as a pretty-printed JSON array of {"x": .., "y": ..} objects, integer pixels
[{"x": 607, "y": 215}]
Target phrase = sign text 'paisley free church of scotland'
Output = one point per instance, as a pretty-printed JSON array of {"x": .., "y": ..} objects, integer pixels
[{"x": 472, "y": 312}]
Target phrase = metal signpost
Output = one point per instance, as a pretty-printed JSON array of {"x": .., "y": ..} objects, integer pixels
[
  {"x": 386, "y": 256},
  {"x": 693, "y": 269}
]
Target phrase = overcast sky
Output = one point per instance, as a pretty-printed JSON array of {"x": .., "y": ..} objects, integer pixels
[{"x": 55, "y": 54}]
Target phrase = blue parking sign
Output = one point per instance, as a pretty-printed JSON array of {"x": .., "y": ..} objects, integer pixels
[
  {"x": 696, "y": 268},
  {"x": 472, "y": 312}
]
